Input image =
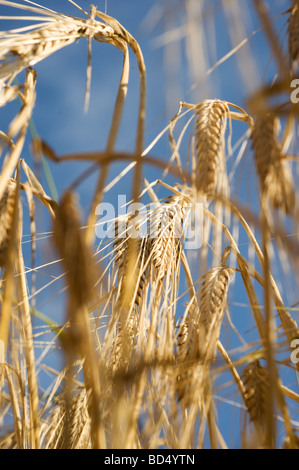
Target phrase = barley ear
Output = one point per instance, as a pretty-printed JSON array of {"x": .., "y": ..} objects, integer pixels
[
  {"x": 256, "y": 382},
  {"x": 7, "y": 204},
  {"x": 273, "y": 171},
  {"x": 210, "y": 116},
  {"x": 293, "y": 36}
]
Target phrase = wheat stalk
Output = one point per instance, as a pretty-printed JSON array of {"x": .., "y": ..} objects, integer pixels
[
  {"x": 28, "y": 343},
  {"x": 81, "y": 276}
]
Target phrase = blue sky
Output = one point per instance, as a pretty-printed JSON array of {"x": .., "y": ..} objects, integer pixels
[{"x": 58, "y": 113}]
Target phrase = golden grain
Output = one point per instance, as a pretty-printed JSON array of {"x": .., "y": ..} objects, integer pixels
[
  {"x": 273, "y": 171},
  {"x": 21, "y": 50},
  {"x": 7, "y": 205},
  {"x": 293, "y": 38},
  {"x": 210, "y": 119},
  {"x": 167, "y": 235},
  {"x": 256, "y": 383},
  {"x": 69, "y": 424}
]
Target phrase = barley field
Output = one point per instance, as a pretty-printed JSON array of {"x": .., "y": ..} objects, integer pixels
[{"x": 149, "y": 241}]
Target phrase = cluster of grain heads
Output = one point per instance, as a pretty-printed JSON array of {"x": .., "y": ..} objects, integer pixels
[
  {"x": 209, "y": 126},
  {"x": 159, "y": 248},
  {"x": 69, "y": 424},
  {"x": 273, "y": 170}
]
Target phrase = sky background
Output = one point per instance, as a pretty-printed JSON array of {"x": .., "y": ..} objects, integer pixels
[{"x": 175, "y": 60}]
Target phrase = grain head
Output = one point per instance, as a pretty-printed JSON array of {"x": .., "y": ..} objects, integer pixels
[
  {"x": 209, "y": 125},
  {"x": 7, "y": 204},
  {"x": 273, "y": 171},
  {"x": 256, "y": 382},
  {"x": 293, "y": 35},
  {"x": 166, "y": 235}
]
